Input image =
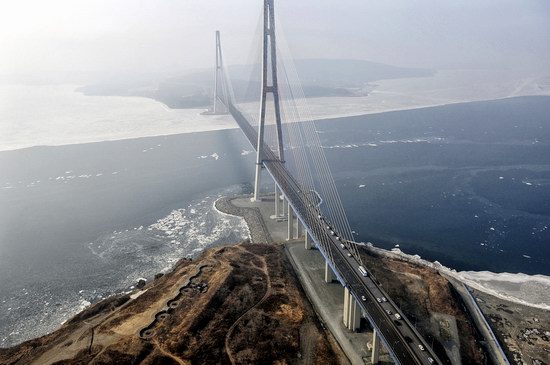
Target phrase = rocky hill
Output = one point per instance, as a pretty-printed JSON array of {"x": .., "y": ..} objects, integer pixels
[{"x": 233, "y": 305}]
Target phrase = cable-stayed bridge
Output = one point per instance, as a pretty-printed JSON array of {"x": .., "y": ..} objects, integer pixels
[{"x": 288, "y": 148}]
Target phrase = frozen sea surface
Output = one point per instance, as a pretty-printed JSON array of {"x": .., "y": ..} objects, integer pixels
[{"x": 72, "y": 117}]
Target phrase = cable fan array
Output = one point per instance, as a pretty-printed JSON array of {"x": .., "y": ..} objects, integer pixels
[{"x": 304, "y": 154}]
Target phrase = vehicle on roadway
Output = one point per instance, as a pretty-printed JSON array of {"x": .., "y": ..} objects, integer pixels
[
  {"x": 431, "y": 360},
  {"x": 421, "y": 347},
  {"x": 379, "y": 300},
  {"x": 363, "y": 271},
  {"x": 363, "y": 298},
  {"x": 343, "y": 246},
  {"x": 332, "y": 233},
  {"x": 388, "y": 312},
  {"x": 349, "y": 254},
  {"x": 384, "y": 299},
  {"x": 397, "y": 316}
]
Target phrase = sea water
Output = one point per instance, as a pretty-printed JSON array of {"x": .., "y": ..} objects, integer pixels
[{"x": 467, "y": 185}]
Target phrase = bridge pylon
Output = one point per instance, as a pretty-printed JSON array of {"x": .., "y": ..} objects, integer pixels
[
  {"x": 220, "y": 104},
  {"x": 269, "y": 54}
]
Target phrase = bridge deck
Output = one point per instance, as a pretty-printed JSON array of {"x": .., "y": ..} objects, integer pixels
[{"x": 399, "y": 336}]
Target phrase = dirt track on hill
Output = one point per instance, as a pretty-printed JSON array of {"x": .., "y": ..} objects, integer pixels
[{"x": 233, "y": 305}]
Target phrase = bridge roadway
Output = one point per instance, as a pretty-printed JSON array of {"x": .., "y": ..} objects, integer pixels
[{"x": 400, "y": 337}]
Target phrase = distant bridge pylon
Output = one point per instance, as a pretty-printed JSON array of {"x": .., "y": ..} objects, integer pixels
[{"x": 220, "y": 95}]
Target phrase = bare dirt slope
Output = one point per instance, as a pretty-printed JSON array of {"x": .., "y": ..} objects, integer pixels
[
  {"x": 235, "y": 304},
  {"x": 429, "y": 301}
]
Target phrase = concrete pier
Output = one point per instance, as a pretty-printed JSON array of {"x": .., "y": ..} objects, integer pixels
[
  {"x": 352, "y": 312},
  {"x": 345, "y": 317},
  {"x": 329, "y": 275},
  {"x": 290, "y": 223},
  {"x": 299, "y": 228},
  {"x": 277, "y": 201},
  {"x": 375, "y": 357},
  {"x": 307, "y": 241}
]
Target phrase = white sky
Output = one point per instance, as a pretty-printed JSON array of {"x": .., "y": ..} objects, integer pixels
[{"x": 41, "y": 37}]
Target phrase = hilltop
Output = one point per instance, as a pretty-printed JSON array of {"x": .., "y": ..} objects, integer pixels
[{"x": 319, "y": 78}]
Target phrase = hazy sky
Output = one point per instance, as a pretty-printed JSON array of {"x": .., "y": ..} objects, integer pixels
[{"x": 45, "y": 36}]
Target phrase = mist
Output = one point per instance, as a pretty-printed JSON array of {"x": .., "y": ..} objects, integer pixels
[{"x": 79, "y": 41}]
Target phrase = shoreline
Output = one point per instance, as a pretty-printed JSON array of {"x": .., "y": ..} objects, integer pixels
[
  {"x": 326, "y": 117},
  {"x": 254, "y": 221}
]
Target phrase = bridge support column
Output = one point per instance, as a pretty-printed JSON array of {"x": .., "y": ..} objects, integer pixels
[
  {"x": 284, "y": 207},
  {"x": 298, "y": 228},
  {"x": 307, "y": 241},
  {"x": 257, "y": 180},
  {"x": 354, "y": 313},
  {"x": 329, "y": 276},
  {"x": 276, "y": 201},
  {"x": 290, "y": 223},
  {"x": 345, "y": 316},
  {"x": 375, "y": 347}
]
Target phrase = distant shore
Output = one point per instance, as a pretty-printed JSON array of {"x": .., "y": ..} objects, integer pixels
[{"x": 444, "y": 88}]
